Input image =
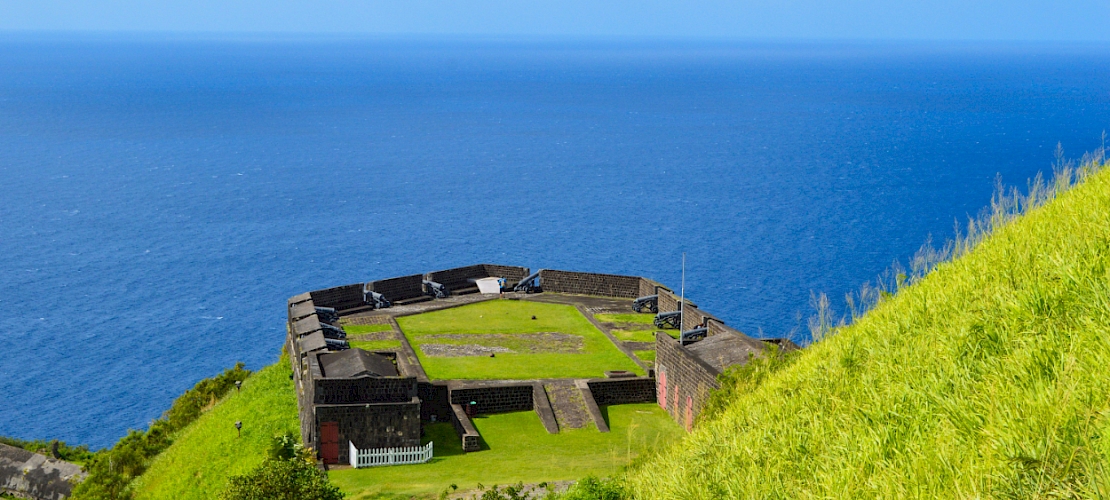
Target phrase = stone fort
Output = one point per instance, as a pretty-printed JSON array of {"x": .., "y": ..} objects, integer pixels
[{"x": 352, "y": 399}]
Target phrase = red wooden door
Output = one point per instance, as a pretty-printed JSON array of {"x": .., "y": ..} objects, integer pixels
[{"x": 329, "y": 442}]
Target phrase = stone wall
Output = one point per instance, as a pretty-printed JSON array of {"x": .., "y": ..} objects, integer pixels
[
  {"x": 402, "y": 288},
  {"x": 30, "y": 475},
  {"x": 364, "y": 390},
  {"x": 340, "y": 297},
  {"x": 605, "y": 285},
  {"x": 465, "y": 429},
  {"x": 650, "y": 287},
  {"x": 433, "y": 402},
  {"x": 682, "y": 381},
  {"x": 667, "y": 301},
  {"x": 373, "y": 425},
  {"x": 459, "y": 278},
  {"x": 623, "y": 390},
  {"x": 495, "y": 399}
]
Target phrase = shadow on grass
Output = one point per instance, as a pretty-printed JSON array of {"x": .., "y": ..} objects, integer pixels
[{"x": 605, "y": 415}]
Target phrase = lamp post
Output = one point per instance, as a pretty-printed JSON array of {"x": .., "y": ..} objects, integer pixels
[
  {"x": 238, "y": 385},
  {"x": 238, "y": 428}
]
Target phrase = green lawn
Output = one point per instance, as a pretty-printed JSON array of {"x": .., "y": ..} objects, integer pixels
[
  {"x": 598, "y": 354},
  {"x": 646, "y": 355},
  {"x": 635, "y": 335},
  {"x": 376, "y": 345},
  {"x": 361, "y": 329},
  {"x": 516, "y": 448},
  {"x": 638, "y": 319},
  {"x": 207, "y": 452}
]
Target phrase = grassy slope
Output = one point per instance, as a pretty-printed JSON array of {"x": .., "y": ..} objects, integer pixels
[
  {"x": 207, "y": 452},
  {"x": 518, "y": 449},
  {"x": 512, "y": 317},
  {"x": 989, "y": 378}
]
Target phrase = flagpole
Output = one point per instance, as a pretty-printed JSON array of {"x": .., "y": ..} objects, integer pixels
[{"x": 682, "y": 300}]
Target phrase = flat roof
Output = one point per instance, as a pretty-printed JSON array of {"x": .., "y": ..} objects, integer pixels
[{"x": 726, "y": 349}]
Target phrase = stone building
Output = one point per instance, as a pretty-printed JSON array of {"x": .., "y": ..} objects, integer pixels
[{"x": 31, "y": 475}]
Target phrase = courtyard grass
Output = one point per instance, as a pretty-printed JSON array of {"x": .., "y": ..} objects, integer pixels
[
  {"x": 516, "y": 448},
  {"x": 635, "y": 335},
  {"x": 634, "y": 319},
  {"x": 361, "y": 329},
  {"x": 508, "y": 317},
  {"x": 207, "y": 452},
  {"x": 375, "y": 345},
  {"x": 646, "y": 355}
]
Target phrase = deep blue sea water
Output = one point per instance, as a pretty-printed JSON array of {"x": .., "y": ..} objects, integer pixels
[{"x": 162, "y": 197}]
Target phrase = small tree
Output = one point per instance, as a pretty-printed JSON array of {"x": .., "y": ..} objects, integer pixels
[{"x": 278, "y": 479}]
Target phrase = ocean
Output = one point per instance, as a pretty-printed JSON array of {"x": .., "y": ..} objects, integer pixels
[{"x": 162, "y": 196}]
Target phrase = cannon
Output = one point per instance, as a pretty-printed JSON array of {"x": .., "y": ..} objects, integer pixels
[
  {"x": 529, "y": 284},
  {"x": 327, "y": 314},
  {"x": 649, "y": 302},
  {"x": 436, "y": 290},
  {"x": 691, "y": 336},
  {"x": 337, "y": 345},
  {"x": 333, "y": 332},
  {"x": 374, "y": 299},
  {"x": 668, "y": 319}
]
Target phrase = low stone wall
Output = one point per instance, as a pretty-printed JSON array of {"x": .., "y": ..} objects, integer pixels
[
  {"x": 465, "y": 429},
  {"x": 459, "y": 278},
  {"x": 512, "y": 274},
  {"x": 623, "y": 390},
  {"x": 402, "y": 288},
  {"x": 495, "y": 399},
  {"x": 30, "y": 475},
  {"x": 363, "y": 424},
  {"x": 650, "y": 287},
  {"x": 682, "y": 381},
  {"x": 605, "y": 285},
  {"x": 340, "y": 297}
]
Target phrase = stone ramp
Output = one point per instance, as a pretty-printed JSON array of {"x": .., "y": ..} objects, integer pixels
[{"x": 567, "y": 404}]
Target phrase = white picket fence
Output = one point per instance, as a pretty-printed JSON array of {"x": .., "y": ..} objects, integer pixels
[{"x": 390, "y": 456}]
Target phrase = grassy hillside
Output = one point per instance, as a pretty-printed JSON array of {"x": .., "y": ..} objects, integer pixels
[
  {"x": 989, "y": 378},
  {"x": 207, "y": 452}
]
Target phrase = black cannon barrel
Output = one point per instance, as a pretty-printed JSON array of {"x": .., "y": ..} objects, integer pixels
[
  {"x": 649, "y": 302},
  {"x": 528, "y": 284}
]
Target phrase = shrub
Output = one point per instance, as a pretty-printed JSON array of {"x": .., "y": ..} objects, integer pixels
[{"x": 277, "y": 479}]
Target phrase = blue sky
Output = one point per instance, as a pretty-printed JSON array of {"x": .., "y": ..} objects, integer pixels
[{"x": 1062, "y": 20}]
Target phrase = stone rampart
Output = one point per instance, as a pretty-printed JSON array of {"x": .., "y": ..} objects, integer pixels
[
  {"x": 402, "y": 288},
  {"x": 465, "y": 429},
  {"x": 459, "y": 278},
  {"x": 340, "y": 297},
  {"x": 650, "y": 287},
  {"x": 683, "y": 382},
  {"x": 623, "y": 390},
  {"x": 605, "y": 285}
]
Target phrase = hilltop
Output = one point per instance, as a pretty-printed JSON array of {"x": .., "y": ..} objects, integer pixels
[{"x": 987, "y": 378}]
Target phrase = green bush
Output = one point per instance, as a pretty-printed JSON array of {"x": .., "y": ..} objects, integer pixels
[{"x": 278, "y": 479}]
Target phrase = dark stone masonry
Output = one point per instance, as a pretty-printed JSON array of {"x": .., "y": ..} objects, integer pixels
[{"x": 381, "y": 399}]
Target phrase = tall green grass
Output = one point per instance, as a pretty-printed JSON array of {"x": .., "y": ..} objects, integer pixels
[{"x": 988, "y": 377}]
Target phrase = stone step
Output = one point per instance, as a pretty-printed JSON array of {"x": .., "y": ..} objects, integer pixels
[{"x": 568, "y": 405}]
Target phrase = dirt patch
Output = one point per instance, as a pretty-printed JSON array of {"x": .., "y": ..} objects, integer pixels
[
  {"x": 378, "y": 319},
  {"x": 454, "y": 344},
  {"x": 458, "y": 350}
]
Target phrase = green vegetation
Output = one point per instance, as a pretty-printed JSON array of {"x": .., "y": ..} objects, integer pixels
[
  {"x": 516, "y": 448},
  {"x": 361, "y": 329},
  {"x": 205, "y": 454},
  {"x": 278, "y": 479},
  {"x": 376, "y": 345},
  {"x": 635, "y": 335},
  {"x": 987, "y": 378},
  {"x": 75, "y": 454},
  {"x": 646, "y": 355},
  {"x": 511, "y": 317},
  {"x": 112, "y": 471},
  {"x": 632, "y": 319}
]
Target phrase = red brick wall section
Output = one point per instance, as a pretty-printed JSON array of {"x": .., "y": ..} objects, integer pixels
[{"x": 681, "y": 375}]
